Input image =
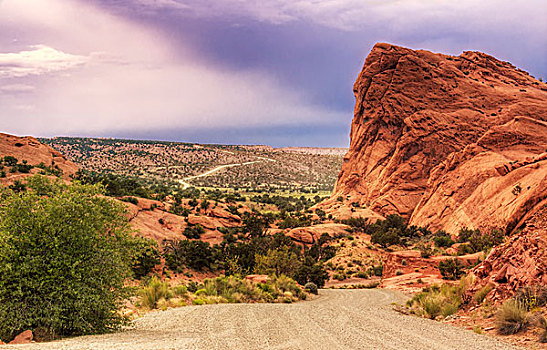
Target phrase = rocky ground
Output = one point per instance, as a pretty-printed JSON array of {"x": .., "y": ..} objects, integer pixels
[{"x": 338, "y": 319}]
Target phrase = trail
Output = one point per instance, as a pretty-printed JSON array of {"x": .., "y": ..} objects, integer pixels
[
  {"x": 337, "y": 320},
  {"x": 185, "y": 184}
]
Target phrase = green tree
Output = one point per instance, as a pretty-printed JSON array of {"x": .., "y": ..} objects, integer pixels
[
  {"x": 277, "y": 262},
  {"x": 146, "y": 256},
  {"x": 10, "y": 160},
  {"x": 386, "y": 238},
  {"x": 64, "y": 257}
]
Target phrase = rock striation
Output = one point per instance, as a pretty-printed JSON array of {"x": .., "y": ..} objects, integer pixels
[
  {"x": 519, "y": 262},
  {"x": 445, "y": 141}
]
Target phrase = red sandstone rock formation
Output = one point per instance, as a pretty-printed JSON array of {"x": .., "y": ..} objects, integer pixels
[
  {"x": 34, "y": 152},
  {"x": 446, "y": 141},
  {"x": 521, "y": 261}
]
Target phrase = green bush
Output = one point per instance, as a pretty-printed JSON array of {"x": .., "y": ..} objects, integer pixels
[
  {"x": 146, "y": 256},
  {"x": 442, "y": 239},
  {"x": 10, "y": 161},
  {"x": 511, "y": 317},
  {"x": 153, "y": 292},
  {"x": 64, "y": 257},
  {"x": 186, "y": 253},
  {"x": 311, "y": 287},
  {"x": 386, "y": 238},
  {"x": 194, "y": 231},
  {"x": 437, "y": 300},
  {"x": 451, "y": 269}
]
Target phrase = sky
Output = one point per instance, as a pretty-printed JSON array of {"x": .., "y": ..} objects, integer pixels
[{"x": 275, "y": 72}]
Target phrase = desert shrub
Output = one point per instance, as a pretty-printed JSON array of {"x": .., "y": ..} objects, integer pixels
[
  {"x": 511, "y": 317},
  {"x": 196, "y": 255},
  {"x": 10, "y": 160},
  {"x": 311, "y": 271},
  {"x": 153, "y": 292},
  {"x": 378, "y": 270},
  {"x": 451, "y": 269},
  {"x": 386, "y": 238},
  {"x": 64, "y": 257},
  {"x": 115, "y": 185},
  {"x": 532, "y": 297},
  {"x": 193, "y": 287},
  {"x": 425, "y": 251},
  {"x": 437, "y": 300},
  {"x": 362, "y": 274},
  {"x": 358, "y": 224},
  {"x": 442, "y": 239},
  {"x": 481, "y": 293},
  {"x": 278, "y": 262},
  {"x": 477, "y": 241},
  {"x": 24, "y": 167},
  {"x": 194, "y": 231},
  {"x": 398, "y": 273},
  {"x": 232, "y": 289},
  {"x": 311, "y": 287},
  {"x": 180, "y": 290},
  {"x": 339, "y": 276},
  {"x": 146, "y": 256}
]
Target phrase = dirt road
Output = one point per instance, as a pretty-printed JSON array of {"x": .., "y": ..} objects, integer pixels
[{"x": 338, "y": 319}]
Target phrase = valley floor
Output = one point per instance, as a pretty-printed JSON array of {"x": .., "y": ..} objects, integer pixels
[{"x": 338, "y": 319}]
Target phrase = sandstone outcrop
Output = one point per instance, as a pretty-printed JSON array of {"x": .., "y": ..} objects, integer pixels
[
  {"x": 30, "y": 149},
  {"x": 151, "y": 219},
  {"x": 519, "y": 262},
  {"x": 445, "y": 141}
]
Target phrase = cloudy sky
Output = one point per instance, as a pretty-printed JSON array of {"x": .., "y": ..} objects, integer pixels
[{"x": 277, "y": 72}]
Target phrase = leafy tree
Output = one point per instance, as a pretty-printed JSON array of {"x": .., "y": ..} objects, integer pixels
[
  {"x": 187, "y": 253},
  {"x": 451, "y": 269},
  {"x": 277, "y": 262},
  {"x": 311, "y": 271},
  {"x": 442, "y": 239},
  {"x": 64, "y": 256},
  {"x": 194, "y": 231},
  {"x": 386, "y": 238},
  {"x": 146, "y": 256}
]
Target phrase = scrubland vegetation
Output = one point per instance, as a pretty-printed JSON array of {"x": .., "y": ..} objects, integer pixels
[
  {"x": 266, "y": 170},
  {"x": 156, "y": 294},
  {"x": 57, "y": 291}
]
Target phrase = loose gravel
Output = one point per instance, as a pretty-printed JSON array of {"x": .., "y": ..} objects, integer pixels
[{"x": 337, "y": 320}]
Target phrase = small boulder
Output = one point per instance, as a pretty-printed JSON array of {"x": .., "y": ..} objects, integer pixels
[
  {"x": 23, "y": 338},
  {"x": 258, "y": 278}
]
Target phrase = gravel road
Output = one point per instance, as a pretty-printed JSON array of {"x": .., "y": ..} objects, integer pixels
[{"x": 338, "y": 319}]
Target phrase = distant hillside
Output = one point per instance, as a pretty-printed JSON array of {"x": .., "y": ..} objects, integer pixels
[{"x": 251, "y": 168}]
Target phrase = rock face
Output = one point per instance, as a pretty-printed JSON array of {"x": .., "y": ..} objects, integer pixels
[
  {"x": 521, "y": 261},
  {"x": 446, "y": 141},
  {"x": 151, "y": 219},
  {"x": 34, "y": 152}
]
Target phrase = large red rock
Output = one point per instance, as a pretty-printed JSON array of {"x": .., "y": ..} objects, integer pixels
[
  {"x": 311, "y": 234},
  {"x": 445, "y": 141},
  {"x": 34, "y": 152}
]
